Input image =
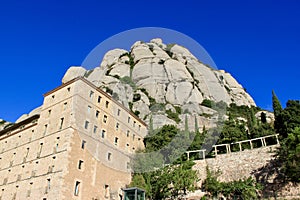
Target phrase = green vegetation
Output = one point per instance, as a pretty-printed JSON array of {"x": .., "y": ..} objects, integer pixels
[
  {"x": 207, "y": 103},
  {"x": 174, "y": 115},
  {"x": 243, "y": 125},
  {"x": 287, "y": 123},
  {"x": 166, "y": 181},
  {"x": 127, "y": 80}
]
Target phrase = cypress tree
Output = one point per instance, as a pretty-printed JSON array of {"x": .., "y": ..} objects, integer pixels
[{"x": 277, "y": 108}]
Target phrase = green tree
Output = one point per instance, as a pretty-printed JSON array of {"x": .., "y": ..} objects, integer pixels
[
  {"x": 289, "y": 154},
  {"x": 164, "y": 181}
]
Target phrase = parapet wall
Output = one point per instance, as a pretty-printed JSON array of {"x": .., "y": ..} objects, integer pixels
[
  {"x": 237, "y": 165},
  {"x": 243, "y": 164}
]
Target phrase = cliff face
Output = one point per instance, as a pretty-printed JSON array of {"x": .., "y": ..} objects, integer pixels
[{"x": 153, "y": 78}]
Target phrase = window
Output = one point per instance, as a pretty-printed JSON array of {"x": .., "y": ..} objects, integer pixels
[
  {"x": 128, "y": 133},
  {"x": 89, "y": 109},
  {"x": 48, "y": 184},
  {"x": 45, "y": 128},
  {"x": 107, "y": 191},
  {"x": 109, "y": 156},
  {"x": 69, "y": 89},
  {"x": 49, "y": 113},
  {"x": 116, "y": 140},
  {"x": 86, "y": 124},
  {"x": 139, "y": 127},
  {"x": 56, "y": 147},
  {"x": 95, "y": 129},
  {"x": 134, "y": 123},
  {"x": 128, "y": 120},
  {"x": 53, "y": 96},
  {"x": 104, "y": 118},
  {"x": 83, "y": 144},
  {"x": 103, "y": 133},
  {"x": 119, "y": 112},
  {"x": 40, "y": 150},
  {"x": 76, "y": 191},
  {"x": 99, "y": 99},
  {"x": 97, "y": 113},
  {"x": 106, "y": 104},
  {"x": 133, "y": 136},
  {"x": 61, "y": 123},
  {"x": 117, "y": 126},
  {"x": 65, "y": 106},
  {"x": 80, "y": 164},
  {"x": 127, "y": 146},
  {"x": 91, "y": 94}
]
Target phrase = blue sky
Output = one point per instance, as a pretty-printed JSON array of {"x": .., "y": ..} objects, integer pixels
[{"x": 258, "y": 42}]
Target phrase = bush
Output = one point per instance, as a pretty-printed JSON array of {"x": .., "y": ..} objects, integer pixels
[
  {"x": 207, "y": 103},
  {"x": 173, "y": 116}
]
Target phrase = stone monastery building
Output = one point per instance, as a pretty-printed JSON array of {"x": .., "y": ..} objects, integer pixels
[{"x": 78, "y": 147}]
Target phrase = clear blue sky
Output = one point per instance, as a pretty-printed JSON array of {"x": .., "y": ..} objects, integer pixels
[{"x": 258, "y": 42}]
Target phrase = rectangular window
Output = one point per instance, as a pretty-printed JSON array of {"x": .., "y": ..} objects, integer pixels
[
  {"x": 69, "y": 89},
  {"x": 91, "y": 94},
  {"x": 99, "y": 99},
  {"x": 117, "y": 126},
  {"x": 49, "y": 113},
  {"x": 103, "y": 133},
  {"x": 133, "y": 136},
  {"x": 45, "y": 128},
  {"x": 89, "y": 109},
  {"x": 80, "y": 164},
  {"x": 104, "y": 118},
  {"x": 109, "y": 156},
  {"x": 61, "y": 123},
  {"x": 48, "y": 184},
  {"x": 76, "y": 191},
  {"x": 134, "y": 123},
  {"x": 119, "y": 112},
  {"x": 83, "y": 144},
  {"x": 86, "y": 124},
  {"x": 139, "y": 127},
  {"x": 128, "y": 133},
  {"x": 95, "y": 129},
  {"x": 97, "y": 113},
  {"x": 116, "y": 141},
  {"x": 128, "y": 120},
  {"x": 106, "y": 104},
  {"x": 65, "y": 106}
]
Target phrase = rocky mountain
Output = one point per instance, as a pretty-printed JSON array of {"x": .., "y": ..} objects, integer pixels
[{"x": 164, "y": 82}]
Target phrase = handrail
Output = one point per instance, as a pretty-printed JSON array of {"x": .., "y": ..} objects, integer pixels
[{"x": 228, "y": 147}]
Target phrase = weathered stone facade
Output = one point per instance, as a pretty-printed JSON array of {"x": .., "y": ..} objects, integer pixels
[{"x": 78, "y": 147}]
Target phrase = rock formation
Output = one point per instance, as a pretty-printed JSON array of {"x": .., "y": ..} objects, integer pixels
[{"x": 153, "y": 78}]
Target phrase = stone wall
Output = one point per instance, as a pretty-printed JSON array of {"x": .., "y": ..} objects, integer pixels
[{"x": 243, "y": 164}]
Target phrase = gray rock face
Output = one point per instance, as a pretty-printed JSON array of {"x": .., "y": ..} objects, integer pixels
[{"x": 154, "y": 77}]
